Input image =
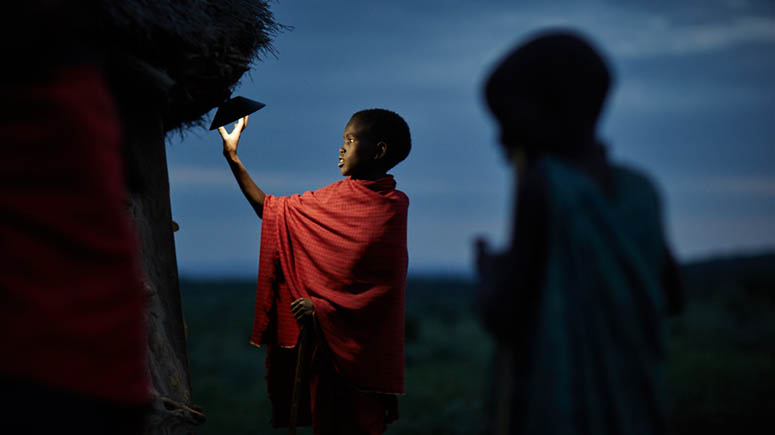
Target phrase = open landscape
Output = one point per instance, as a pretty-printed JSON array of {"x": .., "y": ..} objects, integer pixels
[{"x": 721, "y": 362}]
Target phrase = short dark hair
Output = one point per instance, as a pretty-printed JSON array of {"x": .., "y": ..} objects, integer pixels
[{"x": 383, "y": 125}]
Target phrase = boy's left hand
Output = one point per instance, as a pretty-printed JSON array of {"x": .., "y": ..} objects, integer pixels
[
  {"x": 302, "y": 308},
  {"x": 230, "y": 140}
]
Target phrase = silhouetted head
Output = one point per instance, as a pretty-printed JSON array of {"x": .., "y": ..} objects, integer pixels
[
  {"x": 547, "y": 94},
  {"x": 375, "y": 140}
]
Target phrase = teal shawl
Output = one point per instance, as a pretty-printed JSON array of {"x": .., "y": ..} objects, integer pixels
[{"x": 596, "y": 345}]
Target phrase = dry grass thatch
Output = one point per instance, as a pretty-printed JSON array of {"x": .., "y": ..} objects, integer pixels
[{"x": 191, "y": 53}]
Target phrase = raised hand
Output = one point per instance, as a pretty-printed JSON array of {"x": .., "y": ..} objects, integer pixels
[
  {"x": 484, "y": 258},
  {"x": 231, "y": 139},
  {"x": 489, "y": 266}
]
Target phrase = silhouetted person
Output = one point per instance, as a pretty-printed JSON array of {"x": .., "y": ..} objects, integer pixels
[
  {"x": 576, "y": 301},
  {"x": 72, "y": 336}
]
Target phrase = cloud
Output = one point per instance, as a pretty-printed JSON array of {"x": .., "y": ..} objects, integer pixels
[
  {"x": 632, "y": 31},
  {"x": 693, "y": 234},
  {"x": 189, "y": 177},
  {"x": 657, "y": 35},
  {"x": 662, "y": 95},
  {"x": 762, "y": 186},
  {"x": 194, "y": 176},
  {"x": 447, "y": 57},
  {"x": 712, "y": 214}
]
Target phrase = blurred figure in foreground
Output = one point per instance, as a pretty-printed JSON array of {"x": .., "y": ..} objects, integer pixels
[
  {"x": 576, "y": 301},
  {"x": 72, "y": 356}
]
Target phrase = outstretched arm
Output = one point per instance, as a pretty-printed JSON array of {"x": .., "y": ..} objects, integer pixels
[{"x": 254, "y": 195}]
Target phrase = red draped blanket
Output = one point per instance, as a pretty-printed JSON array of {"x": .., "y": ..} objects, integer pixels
[
  {"x": 344, "y": 247},
  {"x": 71, "y": 301}
]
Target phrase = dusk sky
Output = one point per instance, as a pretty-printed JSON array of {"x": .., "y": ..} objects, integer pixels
[{"x": 693, "y": 105}]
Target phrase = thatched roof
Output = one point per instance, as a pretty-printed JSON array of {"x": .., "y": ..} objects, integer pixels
[{"x": 187, "y": 54}]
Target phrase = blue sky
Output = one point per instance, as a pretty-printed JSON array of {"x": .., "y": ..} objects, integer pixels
[{"x": 693, "y": 105}]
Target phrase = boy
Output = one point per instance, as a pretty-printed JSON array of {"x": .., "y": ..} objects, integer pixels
[
  {"x": 576, "y": 302},
  {"x": 336, "y": 259}
]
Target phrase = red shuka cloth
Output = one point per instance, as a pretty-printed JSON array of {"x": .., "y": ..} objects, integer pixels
[
  {"x": 71, "y": 301},
  {"x": 344, "y": 247}
]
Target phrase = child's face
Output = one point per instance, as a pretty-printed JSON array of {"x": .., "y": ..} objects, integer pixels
[{"x": 358, "y": 156}]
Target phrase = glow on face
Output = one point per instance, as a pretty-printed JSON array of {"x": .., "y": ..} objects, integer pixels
[{"x": 355, "y": 155}]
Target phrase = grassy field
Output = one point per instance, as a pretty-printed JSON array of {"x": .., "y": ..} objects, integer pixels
[
  {"x": 447, "y": 353},
  {"x": 721, "y": 365}
]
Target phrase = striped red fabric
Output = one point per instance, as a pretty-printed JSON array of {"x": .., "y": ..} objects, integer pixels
[{"x": 344, "y": 247}]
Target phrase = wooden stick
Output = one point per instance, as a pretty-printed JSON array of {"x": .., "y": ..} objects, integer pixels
[{"x": 297, "y": 382}]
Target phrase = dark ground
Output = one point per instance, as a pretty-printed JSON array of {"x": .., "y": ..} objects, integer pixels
[{"x": 721, "y": 365}]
